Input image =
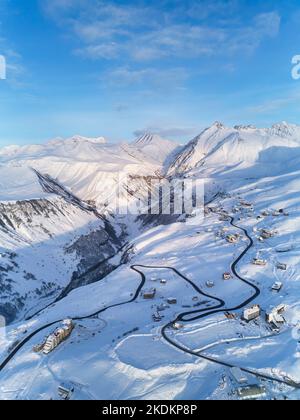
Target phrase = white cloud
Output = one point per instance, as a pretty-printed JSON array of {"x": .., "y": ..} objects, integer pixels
[
  {"x": 268, "y": 24},
  {"x": 108, "y": 51}
]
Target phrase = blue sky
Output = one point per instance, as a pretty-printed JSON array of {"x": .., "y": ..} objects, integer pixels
[{"x": 118, "y": 68}]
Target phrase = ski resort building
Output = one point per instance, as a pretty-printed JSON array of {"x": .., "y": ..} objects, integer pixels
[
  {"x": 227, "y": 276},
  {"x": 252, "y": 313},
  {"x": 59, "y": 335}
]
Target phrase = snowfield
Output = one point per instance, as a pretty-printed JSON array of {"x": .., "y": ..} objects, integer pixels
[{"x": 182, "y": 343}]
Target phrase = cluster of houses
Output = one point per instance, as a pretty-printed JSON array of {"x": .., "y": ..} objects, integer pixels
[
  {"x": 150, "y": 294},
  {"x": 263, "y": 263},
  {"x": 274, "y": 317}
]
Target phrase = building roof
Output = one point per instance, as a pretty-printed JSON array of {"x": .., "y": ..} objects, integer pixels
[{"x": 251, "y": 392}]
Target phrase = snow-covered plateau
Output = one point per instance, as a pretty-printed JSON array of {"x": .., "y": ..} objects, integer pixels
[{"x": 153, "y": 315}]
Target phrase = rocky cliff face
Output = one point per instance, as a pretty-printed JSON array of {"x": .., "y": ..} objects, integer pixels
[{"x": 47, "y": 247}]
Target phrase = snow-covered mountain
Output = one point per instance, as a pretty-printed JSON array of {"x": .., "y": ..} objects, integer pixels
[
  {"x": 245, "y": 149},
  {"x": 153, "y": 146},
  {"x": 87, "y": 167}
]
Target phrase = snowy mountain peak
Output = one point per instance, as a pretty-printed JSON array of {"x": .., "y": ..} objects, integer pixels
[
  {"x": 245, "y": 127},
  {"x": 149, "y": 139},
  {"x": 153, "y": 146},
  {"x": 218, "y": 124},
  {"x": 247, "y": 147},
  {"x": 77, "y": 139}
]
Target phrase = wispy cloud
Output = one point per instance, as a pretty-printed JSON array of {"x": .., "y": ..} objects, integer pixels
[
  {"x": 182, "y": 133},
  {"x": 144, "y": 33},
  {"x": 292, "y": 97},
  {"x": 152, "y": 77}
]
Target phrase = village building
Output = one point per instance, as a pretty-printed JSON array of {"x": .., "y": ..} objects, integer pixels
[
  {"x": 172, "y": 301},
  {"x": 230, "y": 316},
  {"x": 266, "y": 234},
  {"x": 251, "y": 392},
  {"x": 177, "y": 326},
  {"x": 227, "y": 276},
  {"x": 260, "y": 262},
  {"x": 281, "y": 266},
  {"x": 65, "y": 391},
  {"x": 275, "y": 317},
  {"x": 277, "y": 286},
  {"x": 232, "y": 239},
  {"x": 149, "y": 294},
  {"x": 245, "y": 203},
  {"x": 252, "y": 313}
]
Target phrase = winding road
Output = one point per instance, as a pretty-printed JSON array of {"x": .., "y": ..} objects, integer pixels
[{"x": 183, "y": 317}]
